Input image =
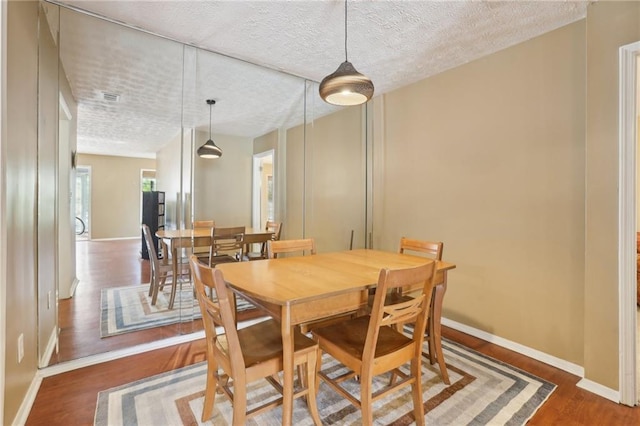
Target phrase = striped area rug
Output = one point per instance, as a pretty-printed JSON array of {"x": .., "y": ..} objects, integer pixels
[
  {"x": 483, "y": 391},
  {"x": 127, "y": 309}
]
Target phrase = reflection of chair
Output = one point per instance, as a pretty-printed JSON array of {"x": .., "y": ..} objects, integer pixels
[
  {"x": 227, "y": 245},
  {"x": 245, "y": 355},
  {"x": 203, "y": 251},
  {"x": 271, "y": 226},
  {"x": 302, "y": 246},
  {"x": 161, "y": 269},
  {"x": 369, "y": 346}
]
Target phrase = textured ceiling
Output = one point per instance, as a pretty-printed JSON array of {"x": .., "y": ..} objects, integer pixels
[{"x": 395, "y": 43}]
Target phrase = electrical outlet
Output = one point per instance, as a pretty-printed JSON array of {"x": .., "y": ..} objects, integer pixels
[{"x": 20, "y": 347}]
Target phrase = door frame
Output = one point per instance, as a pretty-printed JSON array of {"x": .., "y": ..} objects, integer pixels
[
  {"x": 627, "y": 270},
  {"x": 256, "y": 217}
]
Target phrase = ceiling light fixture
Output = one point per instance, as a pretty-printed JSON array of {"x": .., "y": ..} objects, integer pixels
[
  {"x": 346, "y": 86},
  {"x": 209, "y": 149}
]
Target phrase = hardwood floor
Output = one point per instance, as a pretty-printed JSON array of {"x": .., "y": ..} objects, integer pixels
[{"x": 70, "y": 398}]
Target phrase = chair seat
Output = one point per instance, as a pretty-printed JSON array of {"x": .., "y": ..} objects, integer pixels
[
  {"x": 262, "y": 341},
  {"x": 216, "y": 260},
  {"x": 351, "y": 335}
]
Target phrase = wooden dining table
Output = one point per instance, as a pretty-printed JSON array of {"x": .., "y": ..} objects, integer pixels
[
  {"x": 201, "y": 237},
  {"x": 297, "y": 290}
]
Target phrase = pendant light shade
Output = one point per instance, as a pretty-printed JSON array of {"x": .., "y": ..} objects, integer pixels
[
  {"x": 210, "y": 149},
  {"x": 346, "y": 86}
]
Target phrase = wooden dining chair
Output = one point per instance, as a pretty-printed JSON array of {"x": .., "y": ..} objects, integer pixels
[
  {"x": 299, "y": 246},
  {"x": 271, "y": 226},
  {"x": 433, "y": 250},
  {"x": 248, "y": 354},
  {"x": 227, "y": 245},
  {"x": 161, "y": 268},
  {"x": 369, "y": 345},
  {"x": 203, "y": 252}
]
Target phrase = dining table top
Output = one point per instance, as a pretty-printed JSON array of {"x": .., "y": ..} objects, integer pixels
[{"x": 300, "y": 279}]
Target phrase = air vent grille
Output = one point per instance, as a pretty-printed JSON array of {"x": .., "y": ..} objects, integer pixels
[{"x": 110, "y": 97}]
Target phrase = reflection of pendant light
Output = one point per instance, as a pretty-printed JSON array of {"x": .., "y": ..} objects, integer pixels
[
  {"x": 346, "y": 86},
  {"x": 209, "y": 149}
]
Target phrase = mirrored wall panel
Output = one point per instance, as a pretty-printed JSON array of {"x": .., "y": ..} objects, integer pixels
[{"x": 139, "y": 106}]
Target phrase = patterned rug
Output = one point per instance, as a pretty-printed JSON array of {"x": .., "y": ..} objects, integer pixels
[
  {"x": 483, "y": 391},
  {"x": 127, "y": 309}
]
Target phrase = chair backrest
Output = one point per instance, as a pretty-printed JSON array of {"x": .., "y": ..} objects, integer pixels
[
  {"x": 433, "y": 249},
  {"x": 304, "y": 246},
  {"x": 227, "y": 241},
  {"x": 217, "y": 312},
  {"x": 403, "y": 310},
  {"x": 151, "y": 248},
  {"x": 208, "y": 224},
  {"x": 274, "y": 227}
]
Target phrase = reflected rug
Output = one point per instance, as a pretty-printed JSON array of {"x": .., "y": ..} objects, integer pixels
[
  {"x": 483, "y": 391},
  {"x": 127, "y": 309}
]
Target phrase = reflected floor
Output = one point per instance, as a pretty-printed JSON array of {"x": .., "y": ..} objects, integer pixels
[{"x": 105, "y": 264}]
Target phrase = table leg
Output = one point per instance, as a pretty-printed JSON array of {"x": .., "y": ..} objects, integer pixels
[
  {"x": 435, "y": 329},
  {"x": 287, "y": 366}
]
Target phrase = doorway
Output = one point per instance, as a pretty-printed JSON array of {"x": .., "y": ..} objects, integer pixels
[
  {"x": 83, "y": 203},
  {"x": 263, "y": 189}
]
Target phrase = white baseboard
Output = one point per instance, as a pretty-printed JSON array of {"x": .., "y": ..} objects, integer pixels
[
  {"x": 114, "y": 239},
  {"x": 51, "y": 346},
  {"x": 599, "y": 390},
  {"x": 567, "y": 366},
  {"x": 64, "y": 367},
  {"x": 74, "y": 285},
  {"x": 27, "y": 402}
]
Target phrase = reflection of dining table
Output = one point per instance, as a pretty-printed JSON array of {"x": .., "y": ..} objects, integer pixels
[
  {"x": 296, "y": 290},
  {"x": 201, "y": 237}
]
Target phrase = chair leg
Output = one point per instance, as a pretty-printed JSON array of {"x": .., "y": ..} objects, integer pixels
[
  {"x": 210, "y": 390},
  {"x": 366, "y": 400},
  {"x": 157, "y": 286},
  {"x": 416, "y": 390},
  {"x": 152, "y": 280},
  {"x": 174, "y": 289},
  {"x": 318, "y": 368},
  {"x": 239, "y": 401}
]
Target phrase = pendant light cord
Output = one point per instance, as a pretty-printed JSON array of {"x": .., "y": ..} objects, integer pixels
[
  {"x": 210, "y": 106},
  {"x": 346, "y": 58}
]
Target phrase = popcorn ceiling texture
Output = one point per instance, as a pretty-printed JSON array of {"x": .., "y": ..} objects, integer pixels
[{"x": 395, "y": 43}]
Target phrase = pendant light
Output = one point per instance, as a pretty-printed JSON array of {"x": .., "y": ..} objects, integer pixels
[
  {"x": 209, "y": 149},
  {"x": 346, "y": 86}
]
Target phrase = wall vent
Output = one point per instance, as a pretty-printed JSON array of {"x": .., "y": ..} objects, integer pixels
[{"x": 110, "y": 97}]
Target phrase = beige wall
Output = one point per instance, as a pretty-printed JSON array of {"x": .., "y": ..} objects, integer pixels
[
  {"x": 610, "y": 25},
  {"x": 171, "y": 173},
  {"x": 489, "y": 158},
  {"x": 115, "y": 194},
  {"x": 20, "y": 198},
  {"x": 222, "y": 186}
]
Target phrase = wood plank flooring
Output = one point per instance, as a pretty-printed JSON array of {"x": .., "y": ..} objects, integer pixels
[{"x": 70, "y": 398}]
